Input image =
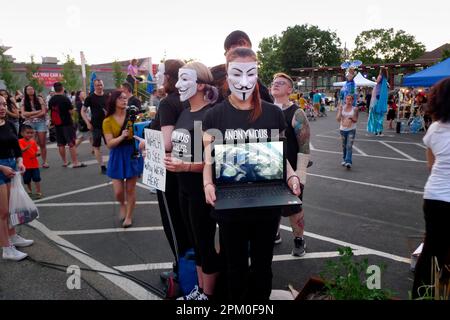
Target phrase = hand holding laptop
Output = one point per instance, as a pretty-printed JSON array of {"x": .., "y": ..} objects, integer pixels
[{"x": 294, "y": 184}]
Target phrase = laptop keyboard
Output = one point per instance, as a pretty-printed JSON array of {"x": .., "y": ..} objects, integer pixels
[{"x": 252, "y": 192}]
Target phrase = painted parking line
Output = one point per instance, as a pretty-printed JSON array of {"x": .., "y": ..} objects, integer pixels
[
  {"x": 102, "y": 231},
  {"x": 360, "y": 151},
  {"x": 73, "y": 192},
  {"x": 366, "y": 184},
  {"x": 398, "y": 151},
  {"x": 370, "y": 140},
  {"x": 368, "y": 156},
  {"x": 129, "y": 286},
  {"x": 88, "y": 204}
]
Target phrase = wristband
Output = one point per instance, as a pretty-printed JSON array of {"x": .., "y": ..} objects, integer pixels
[{"x": 293, "y": 177}]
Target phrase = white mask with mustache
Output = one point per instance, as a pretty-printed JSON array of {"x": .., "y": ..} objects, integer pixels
[
  {"x": 242, "y": 79},
  {"x": 187, "y": 83}
]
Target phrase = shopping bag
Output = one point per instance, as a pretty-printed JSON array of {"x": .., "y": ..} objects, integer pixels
[
  {"x": 187, "y": 272},
  {"x": 21, "y": 208}
]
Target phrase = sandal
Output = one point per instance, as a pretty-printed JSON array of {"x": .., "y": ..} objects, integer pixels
[
  {"x": 45, "y": 166},
  {"x": 81, "y": 165},
  {"x": 66, "y": 164}
]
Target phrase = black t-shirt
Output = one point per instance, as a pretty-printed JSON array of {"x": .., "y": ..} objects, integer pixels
[
  {"x": 133, "y": 101},
  {"x": 185, "y": 146},
  {"x": 9, "y": 143},
  {"x": 235, "y": 126},
  {"x": 169, "y": 110},
  {"x": 98, "y": 109},
  {"x": 60, "y": 107},
  {"x": 292, "y": 148}
]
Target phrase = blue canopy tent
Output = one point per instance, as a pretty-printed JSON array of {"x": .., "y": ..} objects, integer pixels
[{"x": 430, "y": 76}]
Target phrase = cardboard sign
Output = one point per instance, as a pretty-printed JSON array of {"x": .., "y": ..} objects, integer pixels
[{"x": 154, "y": 169}]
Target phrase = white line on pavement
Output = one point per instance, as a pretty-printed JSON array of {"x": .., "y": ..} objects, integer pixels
[
  {"x": 100, "y": 231},
  {"x": 311, "y": 146},
  {"x": 74, "y": 192},
  {"x": 376, "y": 157},
  {"x": 145, "y": 267},
  {"x": 360, "y": 151},
  {"x": 143, "y": 186},
  {"x": 127, "y": 285},
  {"x": 86, "y": 204},
  {"x": 398, "y": 151},
  {"x": 421, "y": 145},
  {"x": 368, "y": 140},
  {"x": 361, "y": 250},
  {"x": 367, "y": 184}
]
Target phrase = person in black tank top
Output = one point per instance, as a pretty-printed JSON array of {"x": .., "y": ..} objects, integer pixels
[
  {"x": 298, "y": 153},
  {"x": 186, "y": 160},
  {"x": 243, "y": 113}
]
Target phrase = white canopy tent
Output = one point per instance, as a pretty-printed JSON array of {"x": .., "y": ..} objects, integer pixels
[{"x": 360, "y": 81}]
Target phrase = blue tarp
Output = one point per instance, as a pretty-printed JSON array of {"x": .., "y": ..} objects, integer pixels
[{"x": 428, "y": 77}]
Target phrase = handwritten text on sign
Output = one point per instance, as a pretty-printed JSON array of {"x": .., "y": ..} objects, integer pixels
[{"x": 154, "y": 169}]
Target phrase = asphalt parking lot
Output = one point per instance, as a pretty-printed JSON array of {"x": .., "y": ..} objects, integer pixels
[{"x": 375, "y": 208}]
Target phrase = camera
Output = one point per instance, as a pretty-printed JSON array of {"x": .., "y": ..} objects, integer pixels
[{"x": 132, "y": 113}]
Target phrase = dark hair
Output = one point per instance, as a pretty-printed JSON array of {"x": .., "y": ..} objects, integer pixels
[
  {"x": 9, "y": 102},
  {"x": 236, "y": 38},
  {"x": 439, "y": 101},
  {"x": 27, "y": 101},
  {"x": 25, "y": 127},
  {"x": 241, "y": 52},
  {"x": 171, "y": 68},
  {"x": 219, "y": 74},
  {"x": 111, "y": 102},
  {"x": 384, "y": 73},
  {"x": 58, "y": 86},
  {"x": 127, "y": 86},
  {"x": 77, "y": 97}
]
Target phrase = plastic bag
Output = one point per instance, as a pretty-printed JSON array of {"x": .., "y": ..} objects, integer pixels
[{"x": 21, "y": 208}]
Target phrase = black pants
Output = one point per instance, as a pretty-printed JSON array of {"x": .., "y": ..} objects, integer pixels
[
  {"x": 436, "y": 244},
  {"x": 239, "y": 241},
  {"x": 179, "y": 228},
  {"x": 201, "y": 227},
  {"x": 130, "y": 80}
]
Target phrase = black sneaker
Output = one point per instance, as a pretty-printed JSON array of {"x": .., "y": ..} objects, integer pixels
[
  {"x": 103, "y": 169},
  {"x": 299, "y": 247},
  {"x": 278, "y": 239}
]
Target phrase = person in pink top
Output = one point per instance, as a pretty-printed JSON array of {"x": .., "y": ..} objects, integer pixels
[{"x": 132, "y": 72}]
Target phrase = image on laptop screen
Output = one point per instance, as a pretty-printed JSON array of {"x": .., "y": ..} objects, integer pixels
[{"x": 249, "y": 162}]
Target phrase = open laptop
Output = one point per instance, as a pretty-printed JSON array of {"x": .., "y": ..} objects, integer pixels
[{"x": 251, "y": 175}]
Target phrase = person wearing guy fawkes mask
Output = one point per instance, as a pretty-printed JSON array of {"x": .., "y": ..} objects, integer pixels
[
  {"x": 244, "y": 113},
  {"x": 186, "y": 160}
]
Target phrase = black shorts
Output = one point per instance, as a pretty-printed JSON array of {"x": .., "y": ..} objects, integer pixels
[
  {"x": 391, "y": 114},
  {"x": 291, "y": 210},
  {"x": 31, "y": 174},
  {"x": 65, "y": 136},
  {"x": 97, "y": 136}
]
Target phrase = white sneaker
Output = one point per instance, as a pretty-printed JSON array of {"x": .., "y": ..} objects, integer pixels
[
  {"x": 343, "y": 163},
  {"x": 11, "y": 253},
  {"x": 202, "y": 297},
  {"x": 20, "y": 242},
  {"x": 193, "y": 295}
]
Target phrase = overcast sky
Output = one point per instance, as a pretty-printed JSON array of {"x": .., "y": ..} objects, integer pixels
[{"x": 121, "y": 30}]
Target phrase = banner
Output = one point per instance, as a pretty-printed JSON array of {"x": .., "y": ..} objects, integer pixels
[
  {"x": 48, "y": 78},
  {"x": 154, "y": 169}
]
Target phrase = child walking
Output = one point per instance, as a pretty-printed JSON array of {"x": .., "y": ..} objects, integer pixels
[{"x": 30, "y": 154}]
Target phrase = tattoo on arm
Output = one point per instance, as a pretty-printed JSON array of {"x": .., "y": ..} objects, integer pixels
[{"x": 301, "y": 127}]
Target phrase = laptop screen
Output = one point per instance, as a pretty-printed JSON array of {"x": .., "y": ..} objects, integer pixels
[{"x": 249, "y": 162}]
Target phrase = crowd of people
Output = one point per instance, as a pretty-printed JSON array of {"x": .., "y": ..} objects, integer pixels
[{"x": 227, "y": 98}]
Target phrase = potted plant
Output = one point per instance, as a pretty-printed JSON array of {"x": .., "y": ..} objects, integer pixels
[{"x": 344, "y": 279}]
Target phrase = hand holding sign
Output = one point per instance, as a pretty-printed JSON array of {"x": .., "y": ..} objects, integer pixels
[{"x": 154, "y": 168}]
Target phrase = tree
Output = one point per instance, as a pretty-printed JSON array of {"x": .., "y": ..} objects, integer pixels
[
  {"x": 268, "y": 57},
  {"x": 385, "y": 46},
  {"x": 71, "y": 75},
  {"x": 32, "y": 68},
  {"x": 6, "y": 74},
  {"x": 308, "y": 46},
  {"x": 119, "y": 76},
  {"x": 445, "y": 54}
]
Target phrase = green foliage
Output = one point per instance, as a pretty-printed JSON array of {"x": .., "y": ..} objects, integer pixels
[
  {"x": 345, "y": 279},
  {"x": 268, "y": 57},
  {"x": 386, "y": 45},
  {"x": 32, "y": 68},
  {"x": 119, "y": 76},
  {"x": 445, "y": 55},
  {"x": 71, "y": 74},
  {"x": 298, "y": 46},
  {"x": 6, "y": 74}
]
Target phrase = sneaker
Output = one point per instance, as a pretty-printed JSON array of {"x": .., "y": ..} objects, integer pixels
[
  {"x": 278, "y": 239},
  {"x": 103, "y": 169},
  {"x": 299, "y": 247},
  {"x": 343, "y": 163},
  {"x": 348, "y": 165},
  {"x": 11, "y": 253},
  {"x": 201, "y": 297},
  {"x": 18, "y": 241},
  {"x": 193, "y": 295}
]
